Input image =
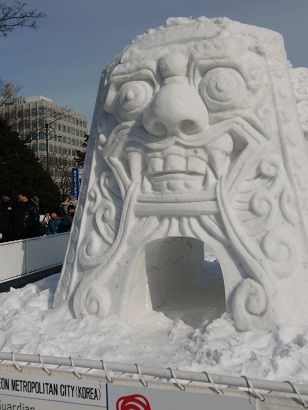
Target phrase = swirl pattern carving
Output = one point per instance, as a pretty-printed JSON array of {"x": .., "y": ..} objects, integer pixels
[{"x": 249, "y": 304}]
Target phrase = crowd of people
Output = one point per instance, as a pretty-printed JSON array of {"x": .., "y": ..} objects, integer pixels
[{"x": 20, "y": 217}]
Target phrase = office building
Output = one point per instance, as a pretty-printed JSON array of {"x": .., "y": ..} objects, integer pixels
[{"x": 53, "y": 132}]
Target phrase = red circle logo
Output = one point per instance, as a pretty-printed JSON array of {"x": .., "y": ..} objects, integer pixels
[{"x": 133, "y": 402}]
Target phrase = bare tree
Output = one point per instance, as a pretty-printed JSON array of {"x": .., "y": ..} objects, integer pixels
[
  {"x": 7, "y": 91},
  {"x": 61, "y": 171},
  {"x": 81, "y": 155},
  {"x": 17, "y": 15},
  {"x": 46, "y": 116}
]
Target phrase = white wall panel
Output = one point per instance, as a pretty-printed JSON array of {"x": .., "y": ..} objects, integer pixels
[{"x": 23, "y": 257}]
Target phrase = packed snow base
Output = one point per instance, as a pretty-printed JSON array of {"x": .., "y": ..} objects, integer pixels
[{"x": 30, "y": 325}]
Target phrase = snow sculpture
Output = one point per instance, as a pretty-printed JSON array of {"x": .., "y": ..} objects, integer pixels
[{"x": 195, "y": 139}]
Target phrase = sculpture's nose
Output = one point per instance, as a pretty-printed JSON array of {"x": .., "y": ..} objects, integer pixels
[{"x": 176, "y": 110}]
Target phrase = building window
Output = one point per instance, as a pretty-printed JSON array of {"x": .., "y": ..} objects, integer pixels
[
  {"x": 42, "y": 147},
  {"x": 41, "y": 135}
]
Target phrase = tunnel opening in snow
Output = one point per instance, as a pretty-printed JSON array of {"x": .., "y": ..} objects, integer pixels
[{"x": 184, "y": 280}]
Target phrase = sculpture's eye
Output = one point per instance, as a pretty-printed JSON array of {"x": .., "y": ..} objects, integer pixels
[
  {"x": 133, "y": 97},
  {"x": 222, "y": 87}
]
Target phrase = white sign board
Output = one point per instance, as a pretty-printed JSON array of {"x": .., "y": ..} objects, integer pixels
[
  {"x": 145, "y": 398},
  {"x": 31, "y": 392}
]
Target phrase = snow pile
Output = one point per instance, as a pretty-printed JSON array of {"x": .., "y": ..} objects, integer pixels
[{"x": 30, "y": 325}]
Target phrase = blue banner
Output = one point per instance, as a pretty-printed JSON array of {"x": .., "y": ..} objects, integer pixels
[{"x": 75, "y": 182}]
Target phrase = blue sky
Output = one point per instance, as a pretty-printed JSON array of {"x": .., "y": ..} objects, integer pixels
[{"x": 64, "y": 57}]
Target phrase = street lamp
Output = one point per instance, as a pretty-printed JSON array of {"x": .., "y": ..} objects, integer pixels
[{"x": 47, "y": 151}]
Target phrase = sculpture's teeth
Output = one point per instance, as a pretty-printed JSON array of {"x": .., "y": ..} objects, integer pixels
[
  {"x": 195, "y": 164},
  {"x": 175, "y": 162},
  {"x": 176, "y": 186},
  {"x": 155, "y": 164},
  {"x": 180, "y": 171},
  {"x": 136, "y": 163}
]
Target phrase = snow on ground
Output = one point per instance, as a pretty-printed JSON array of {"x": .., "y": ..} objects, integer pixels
[{"x": 30, "y": 325}]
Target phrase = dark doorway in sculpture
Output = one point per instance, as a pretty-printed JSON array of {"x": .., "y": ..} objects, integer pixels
[{"x": 183, "y": 281}]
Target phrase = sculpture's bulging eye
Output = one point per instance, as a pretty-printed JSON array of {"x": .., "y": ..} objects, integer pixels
[
  {"x": 222, "y": 87},
  {"x": 133, "y": 97}
]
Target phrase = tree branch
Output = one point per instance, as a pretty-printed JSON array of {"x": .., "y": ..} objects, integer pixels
[{"x": 17, "y": 16}]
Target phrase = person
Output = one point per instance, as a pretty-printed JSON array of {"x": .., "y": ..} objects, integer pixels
[
  {"x": 67, "y": 220},
  {"x": 25, "y": 217},
  {"x": 73, "y": 200},
  {"x": 53, "y": 223},
  {"x": 7, "y": 206},
  {"x": 44, "y": 218},
  {"x": 64, "y": 204}
]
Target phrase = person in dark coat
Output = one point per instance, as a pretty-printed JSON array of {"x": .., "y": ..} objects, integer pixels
[
  {"x": 64, "y": 204},
  {"x": 67, "y": 220},
  {"x": 7, "y": 206},
  {"x": 26, "y": 217}
]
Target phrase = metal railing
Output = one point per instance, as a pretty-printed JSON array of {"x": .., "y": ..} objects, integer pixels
[
  {"x": 182, "y": 379},
  {"x": 28, "y": 256}
]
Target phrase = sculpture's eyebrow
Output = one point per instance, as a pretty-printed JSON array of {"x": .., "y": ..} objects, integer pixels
[
  {"x": 141, "y": 75},
  {"x": 203, "y": 65}
]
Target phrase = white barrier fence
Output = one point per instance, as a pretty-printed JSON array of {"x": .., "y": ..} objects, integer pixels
[
  {"x": 45, "y": 382},
  {"x": 25, "y": 257}
]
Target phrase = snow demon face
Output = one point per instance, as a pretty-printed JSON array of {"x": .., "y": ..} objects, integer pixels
[{"x": 178, "y": 115}]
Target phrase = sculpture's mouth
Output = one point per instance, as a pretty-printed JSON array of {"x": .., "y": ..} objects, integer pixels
[
  {"x": 183, "y": 169},
  {"x": 177, "y": 164}
]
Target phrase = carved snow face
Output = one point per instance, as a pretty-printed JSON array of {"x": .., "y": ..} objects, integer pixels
[
  {"x": 195, "y": 139},
  {"x": 165, "y": 106}
]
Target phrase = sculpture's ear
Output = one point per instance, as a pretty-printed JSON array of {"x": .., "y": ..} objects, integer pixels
[{"x": 111, "y": 97}]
